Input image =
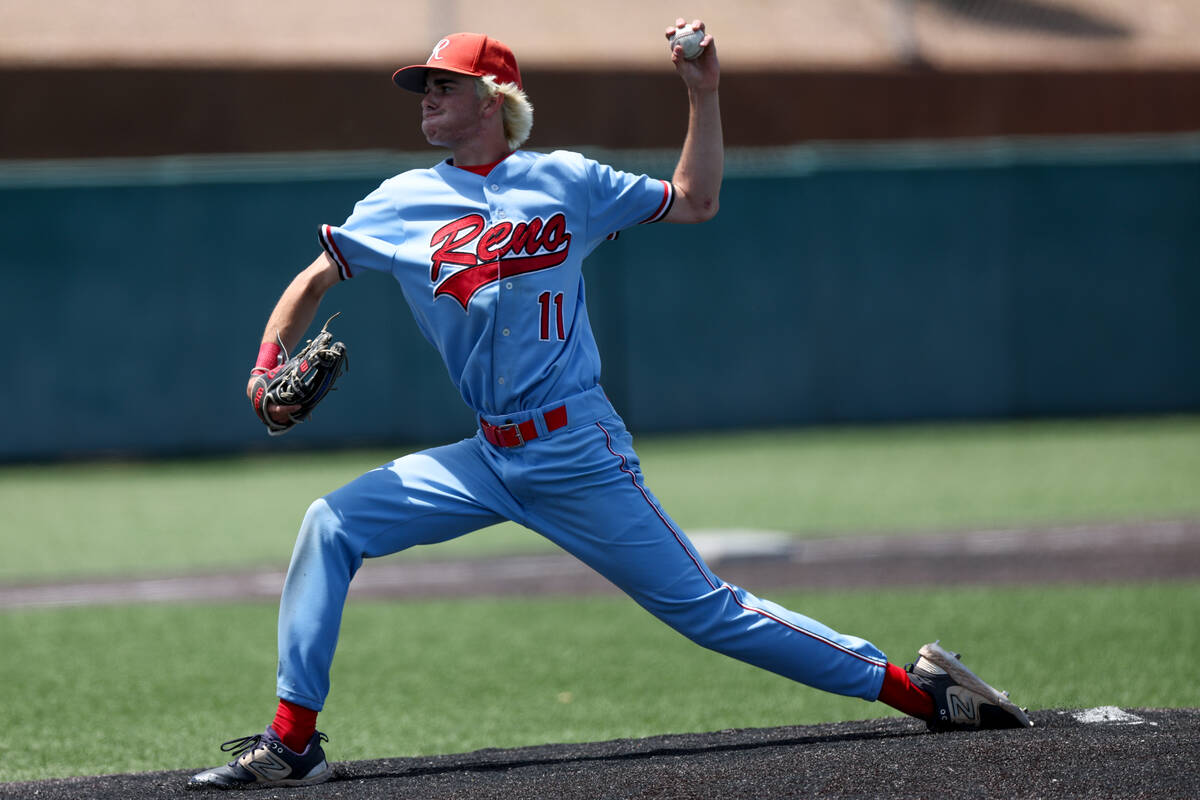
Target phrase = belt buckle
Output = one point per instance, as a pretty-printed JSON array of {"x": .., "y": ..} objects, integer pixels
[{"x": 516, "y": 429}]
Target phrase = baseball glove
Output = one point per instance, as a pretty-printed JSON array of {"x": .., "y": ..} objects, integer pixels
[{"x": 302, "y": 380}]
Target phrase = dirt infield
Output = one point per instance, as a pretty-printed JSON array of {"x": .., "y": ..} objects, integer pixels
[
  {"x": 1109, "y": 753},
  {"x": 1086, "y": 553}
]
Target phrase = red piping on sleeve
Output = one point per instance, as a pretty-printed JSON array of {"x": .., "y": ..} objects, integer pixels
[
  {"x": 668, "y": 199},
  {"x": 330, "y": 247}
]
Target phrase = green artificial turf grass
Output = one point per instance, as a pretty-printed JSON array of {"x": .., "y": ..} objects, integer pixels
[
  {"x": 91, "y": 691},
  {"x": 905, "y": 478},
  {"x": 128, "y": 519},
  {"x": 242, "y": 512}
]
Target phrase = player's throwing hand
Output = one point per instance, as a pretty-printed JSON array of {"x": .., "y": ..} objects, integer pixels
[{"x": 701, "y": 71}]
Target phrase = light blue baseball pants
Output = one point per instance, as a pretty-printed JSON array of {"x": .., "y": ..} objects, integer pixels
[{"x": 581, "y": 487}]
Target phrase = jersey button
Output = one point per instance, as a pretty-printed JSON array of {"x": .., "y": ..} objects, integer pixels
[
  {"x": 501, "y": 381},
  {"x": 508, "y": 285},
  {"x": 505, "y": 331},
  {"x": 495, "y": 187}
]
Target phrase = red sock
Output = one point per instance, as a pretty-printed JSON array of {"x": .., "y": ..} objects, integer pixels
[
  {"x": 295, "y": 725},
  {"x": 899, "y": 693}
]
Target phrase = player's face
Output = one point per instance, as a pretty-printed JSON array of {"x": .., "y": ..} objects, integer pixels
[{"x": 451, "y": 112}]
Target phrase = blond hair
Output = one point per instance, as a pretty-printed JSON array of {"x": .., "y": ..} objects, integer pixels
[{"x": 517, "y": 111}]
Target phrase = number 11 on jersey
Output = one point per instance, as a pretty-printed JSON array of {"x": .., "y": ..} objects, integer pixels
[{"x": 545, "y": 301}]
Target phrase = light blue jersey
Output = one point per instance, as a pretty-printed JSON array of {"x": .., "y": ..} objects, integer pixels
[{"x": 490, "y": 267}]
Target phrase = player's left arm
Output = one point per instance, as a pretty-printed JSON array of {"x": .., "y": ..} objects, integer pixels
[{"x": 698, "y": 174}]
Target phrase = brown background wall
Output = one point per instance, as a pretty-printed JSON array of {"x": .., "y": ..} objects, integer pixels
[
  {"x": 81, "y": 79},
  {"x": 125, "y": 111}
]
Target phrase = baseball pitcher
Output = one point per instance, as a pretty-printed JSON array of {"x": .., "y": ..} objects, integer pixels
[{"x": 488, "y": 248}]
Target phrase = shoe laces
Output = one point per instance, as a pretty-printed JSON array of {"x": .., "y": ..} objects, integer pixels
[
  {"x": 242, "y": 745},
  {"x": 239, "y": 746}
]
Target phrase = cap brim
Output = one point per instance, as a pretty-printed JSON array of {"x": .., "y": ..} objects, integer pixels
[{"x": 413, "y": 78}]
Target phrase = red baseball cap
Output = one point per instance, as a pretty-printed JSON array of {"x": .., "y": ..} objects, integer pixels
[{"x": 467, "y": 54}]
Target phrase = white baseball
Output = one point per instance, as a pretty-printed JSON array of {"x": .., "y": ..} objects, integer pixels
[{"x": 689, "y": 39}]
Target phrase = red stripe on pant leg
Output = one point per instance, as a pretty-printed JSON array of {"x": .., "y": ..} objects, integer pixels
[
  {"x": 792, "y": 627},
  {"x": 624, "y": 468}
]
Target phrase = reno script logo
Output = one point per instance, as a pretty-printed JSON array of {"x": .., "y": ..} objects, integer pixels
[
  {"x": 487, "y": 256},
  {"x": 436, "y": 55}
]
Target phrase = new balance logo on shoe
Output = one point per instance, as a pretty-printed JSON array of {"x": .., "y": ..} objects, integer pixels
[
  {"x": 962, "y": 706},
  {"x": 265, "y": 764}
]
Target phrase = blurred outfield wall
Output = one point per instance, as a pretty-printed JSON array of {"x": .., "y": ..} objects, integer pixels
[{"x": 840, "y": 283}]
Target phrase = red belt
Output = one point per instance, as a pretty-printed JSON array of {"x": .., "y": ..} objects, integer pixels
[{"x": 516, "y": 434}]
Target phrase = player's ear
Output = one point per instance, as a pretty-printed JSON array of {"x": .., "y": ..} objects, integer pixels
[{"x": 492, "y": 105}]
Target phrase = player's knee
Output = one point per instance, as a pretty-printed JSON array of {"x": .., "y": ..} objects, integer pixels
[
  {"x": 324, "y": 546},
  {"x": 321, "y": 525}
]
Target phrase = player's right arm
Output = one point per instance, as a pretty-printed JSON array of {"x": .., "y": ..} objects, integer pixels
[
  {"x": 698, "y": 174},
  {"x": 295, "y": 312}
]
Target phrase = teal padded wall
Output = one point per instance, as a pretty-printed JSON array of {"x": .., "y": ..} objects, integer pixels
[{"x": 837, "y": 284}]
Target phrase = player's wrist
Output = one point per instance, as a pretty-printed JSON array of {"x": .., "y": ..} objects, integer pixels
[
  {"x": 703, "y": 94},
  {"x": 268, "y": 358}
]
